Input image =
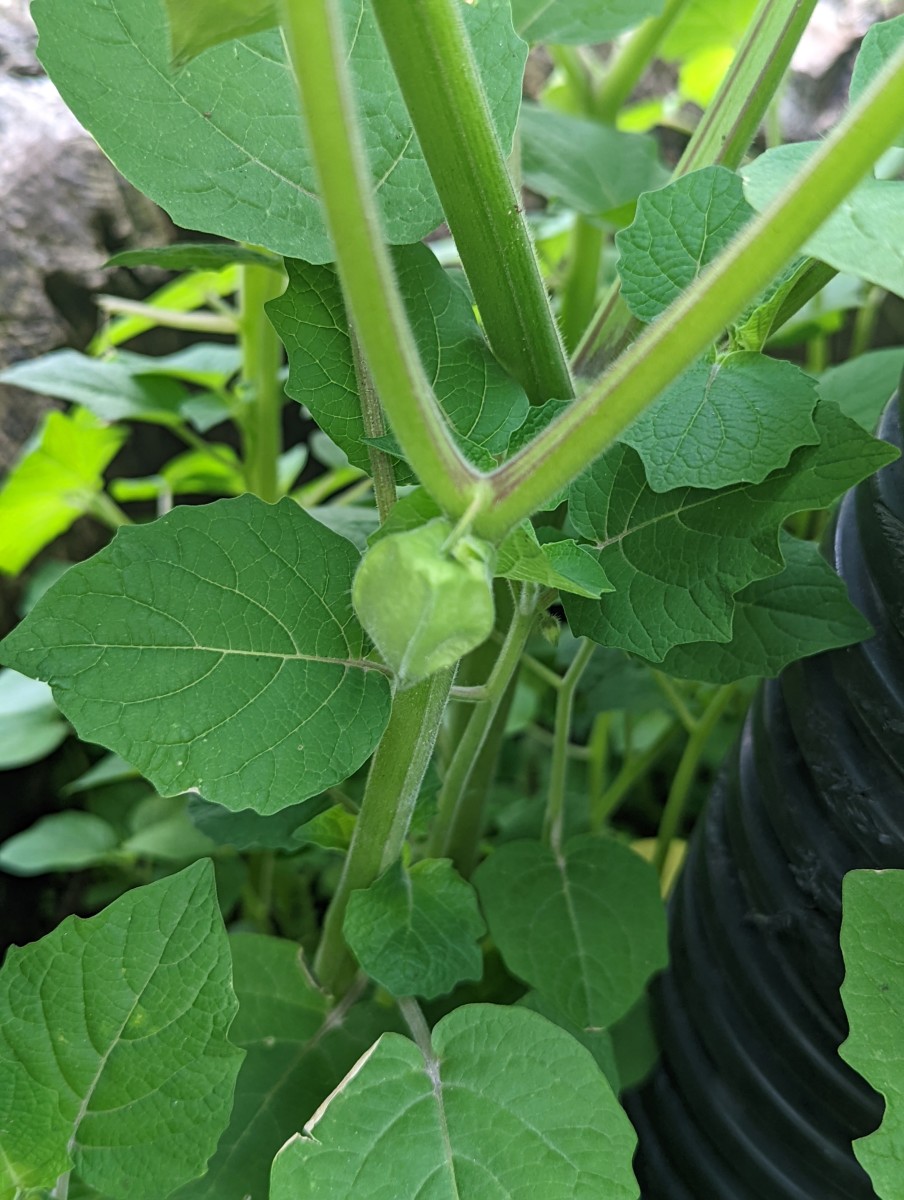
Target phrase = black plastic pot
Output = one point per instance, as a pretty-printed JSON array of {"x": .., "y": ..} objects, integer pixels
[{"x": 750, "y": 1100}]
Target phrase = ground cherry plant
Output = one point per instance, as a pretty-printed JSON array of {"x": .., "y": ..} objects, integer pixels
[{"x": 425, "y": 728}]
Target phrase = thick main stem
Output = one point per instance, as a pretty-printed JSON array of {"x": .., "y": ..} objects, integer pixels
[
  {"x": 435, "y": 68},
  {"x": 393, "y": 783},
  {"x": 263, "y": 393},
  {"x": 585, "y": 429},
  {"x": 313, "y": 34}
]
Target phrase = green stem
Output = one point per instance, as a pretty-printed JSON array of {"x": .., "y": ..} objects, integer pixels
[
  {"x": 579, "y": 292},
  {"x": 865, "y": 321},
  {"x": 313, "y": 34},
  {"x": 633, "y": 769},
  {"x": 558, "y": 774},
  {"x": 723, "y": 136},
  {"x": 261, "y": 418},
  {"x": 668, "y": 688},
  {"x": 687, "y": 772},
  {"x": 393, "y": 783},
  {"x": 104, "y": 509},
  {"x": 671, "y": 343},
  {"x": 435, "y": 68},
  {"x": 169, "y": 318},
  {"x": 598, "y": 759},
  {"x": 452, "y": 833},
  {"x": 381, "y": 468},
  {"x": 632, "y": 60}
]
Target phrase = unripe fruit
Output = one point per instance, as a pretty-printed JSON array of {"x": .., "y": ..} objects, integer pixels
[{"x": 425, "y": 605}]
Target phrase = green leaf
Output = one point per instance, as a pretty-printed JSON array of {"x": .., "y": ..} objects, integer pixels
[
  {"x": 590, "y": 167},
  {"x": 597, "y": 1041},
  {"x": 38, "y": 1156},
  {"x": 30, "y": 723},
  {"x": 862, "y": 386},
  {"x": 579, "y": 21},
  {"x": 195, "y": 256},
  {"x": 53, "y": 484},
  {"x": 731, "y": 421},
  {"x": 563, "y": 565},
  {"x": 216, "y": 471},
  {"x": 233, "y": 160},
  {"x": 482, "y": 402},
  {"x": 677, "y": 231},
  {"x": 872, "y": 934},
  {"x": 705, "y": 25},
  {"x": 677, "y": 559},
  {"x": 296, "y": 1052},
  {"x": 248, "y": 830},
  {"x": 801, "y": 611},
  {"x": 863, "y": 237},
  {"x": 124, "y": 1016},
  {"x": 505, "y": 1105},
  {"x": 196, "y": 25},
  {"x": 66, "y": 841},
  {"x": 586, "y": 929},
  {"x": 162, "y": 832},
  {"x": 216, "y": 651},
  {"x": 104, "y": 387},
  {"x": 416, "y": 930},
  {"x": 879, "y": 45},
  {"x": 331, "y": 829},
  {"x": 208, "y": 364}
]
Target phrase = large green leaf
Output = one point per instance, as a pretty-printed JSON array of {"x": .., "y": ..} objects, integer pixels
[
  {"x": 296, "y": 1052},
  {"x": 861, "y": 386},
  {"x": 676, "y": 232},
  {"x": 585, "y": 928},
  {"x": 482, "y": 402},
  {"x": 879, "y": 45},
  {"x": 731, "y": 421},
  {"x": 579, "y": 21},
  {"x": 503, "y": 1106},
  {"x": 865, "y": 234},
  {"x": 592, "y": 168},
  {"x": 872, "y": 937},
  {"x": 677, "y": 559},
  {"x": 124, "y": 1017},
  {"x": 219, "y": 144},
  {"x": 415, "y": 930},
  {"x": 54, "y": 483},
  {"x": 801, "y": 611},
  {"x": 215, "y": 650}
]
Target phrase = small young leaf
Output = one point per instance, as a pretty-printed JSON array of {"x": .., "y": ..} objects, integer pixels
[
  {"x": 124, "y": 1016},
  {"x": 54, "y": 483},
  {"x": 586, "y": 928},
  {"x": 162, "y": 832},
  {"x": 415, "y": 930},
  {"x": 331, "y": 829},
  {"x": 166, "y": 130},
  {"x": 732, "y": 421},
  {"x": 801, "y": 611},
  {"x": 676, "y": 232},
  {"x": 445, "y": 608},
  {"x": 104, "y": 387},
  {"x": 505, "y": 1105},
  {"x": 592, "y": 168},
  {"x": 216, "y": 471},
  {"x": 579, "y": 21},
  {"x": 296, "y": 1052},
  {"x": 483, "y": 403},
  {"x": 872, "y": 933},
  {"x": 248, "y": 830},
  {"x": 562, "y": 565},
  {"x": 30, "y": 723},
  {"x": 216, "y": 651},
  {"x": 879, "y": 45},
  {"x": 677, "y": 559},
  {"x": 66, "y": 841},
  {"x": 863, "y": 237},
  {"x": 862, "y": 385}
]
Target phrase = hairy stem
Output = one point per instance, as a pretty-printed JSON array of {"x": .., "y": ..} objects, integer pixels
[
  {"x": 313, "y": 34},
  {"x": 435, "y": 68},
  {"x": 393, "y": 783},
  {"x": 262, "y": 392},
  {"x": 381, "y": 468},
  {"x": 671, "y": 343},
  {"x": 558, "y": 775}
]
